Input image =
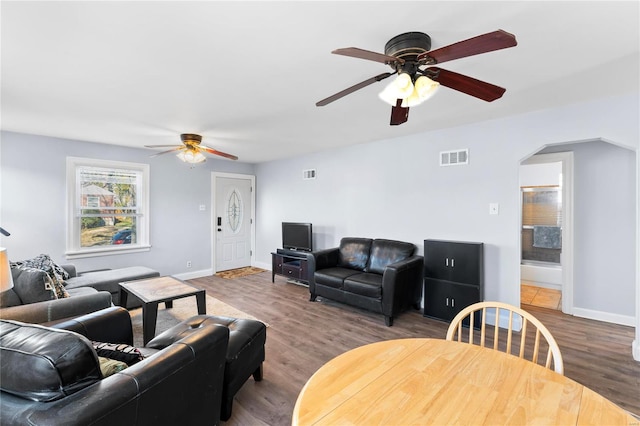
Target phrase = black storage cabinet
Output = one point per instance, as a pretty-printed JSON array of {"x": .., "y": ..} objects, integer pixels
[{"x": 453, "y": 277}]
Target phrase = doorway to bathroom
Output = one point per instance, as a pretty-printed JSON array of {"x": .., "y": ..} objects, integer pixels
[{"x": 545, "y": 224}]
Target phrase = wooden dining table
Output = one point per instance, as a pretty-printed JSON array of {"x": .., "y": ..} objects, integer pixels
[{"x": 440, "y": 382}]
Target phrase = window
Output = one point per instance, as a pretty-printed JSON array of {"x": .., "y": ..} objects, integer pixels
[
  {"x": 107, "y": 207},
  {"x": 541, "y": 224}
]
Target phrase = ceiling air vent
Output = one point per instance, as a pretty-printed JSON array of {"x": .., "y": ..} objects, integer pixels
[
  {"x": 309, "y": 174},
  {"x": 454, "y": 158}
]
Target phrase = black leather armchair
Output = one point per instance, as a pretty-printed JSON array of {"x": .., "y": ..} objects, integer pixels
[
  {"x": 378, "y": 275},
  {"x": 178, "y": 382}
]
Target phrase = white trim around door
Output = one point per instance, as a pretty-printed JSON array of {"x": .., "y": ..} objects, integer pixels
[{"x": 214, "y": 199}]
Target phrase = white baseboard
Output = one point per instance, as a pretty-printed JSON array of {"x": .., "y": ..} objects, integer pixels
[
  {"x": 635, "y": 350},
  {"x": 194, "y": 274},
  {"x": 605, "y": 316},
  {"x": 261, "y": 265},
  {"x": 208, "y": 272}
]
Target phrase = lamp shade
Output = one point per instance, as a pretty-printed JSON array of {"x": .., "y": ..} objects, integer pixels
[
  {"x": 424, "y": 88},
  {"x": 400, "y": 88},
  {"x": 412, "y": 94},
  {"x": 6, "y": 280},
  {"x": 191, "y": 156}
]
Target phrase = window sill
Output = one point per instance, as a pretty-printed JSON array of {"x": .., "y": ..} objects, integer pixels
[{"x": 79, "y": 254}]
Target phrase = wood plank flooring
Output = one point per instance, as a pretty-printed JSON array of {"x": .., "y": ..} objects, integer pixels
[
  {"x": 302, "y": 336},
  {"x": 540, "y": 296}
]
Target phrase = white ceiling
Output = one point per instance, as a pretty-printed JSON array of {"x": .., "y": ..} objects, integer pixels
[{"x": 246, "y": 75}]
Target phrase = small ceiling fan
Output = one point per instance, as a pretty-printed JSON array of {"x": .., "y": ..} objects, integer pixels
[
  {"x": 409, "y": 56},
  {"x": 191, "y": 150}
]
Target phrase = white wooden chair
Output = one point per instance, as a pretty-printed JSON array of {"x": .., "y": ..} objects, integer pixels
[{"x": 479, "y": 311}]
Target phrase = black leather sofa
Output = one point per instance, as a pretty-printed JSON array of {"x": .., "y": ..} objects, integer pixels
[
  {"x": 51, "y": 376},
  {"x": 379, "y": 275}
]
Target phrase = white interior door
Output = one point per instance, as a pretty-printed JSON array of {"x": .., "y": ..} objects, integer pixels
[{"x": 232, "y": 222}]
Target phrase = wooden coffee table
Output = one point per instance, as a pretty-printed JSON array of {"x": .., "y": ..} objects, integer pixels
[{"x": 154, "y": 291}]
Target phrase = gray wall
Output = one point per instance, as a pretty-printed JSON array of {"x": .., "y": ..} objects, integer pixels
[
  {"x": 396, "y": 189},
  {"x": 604, "y": 225},
  {"x": 388, "y": 189},
  {"x": 33, "y": 191}
]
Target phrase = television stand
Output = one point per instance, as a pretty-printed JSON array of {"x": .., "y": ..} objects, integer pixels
[{"x": 291, "y": 264}]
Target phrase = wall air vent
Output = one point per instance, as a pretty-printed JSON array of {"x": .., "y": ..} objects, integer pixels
[
  {"x": 454, "y": 158},
  {"x": 309, "y": 174}
]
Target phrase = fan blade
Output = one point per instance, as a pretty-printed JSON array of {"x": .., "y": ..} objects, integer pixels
[
  {"x": 177, "y": 148},
  {"x": 216, "y": 152},
  {"x": 353, "y": 88},
  {"x": 462, "y": 83},
  {"x": 474, "y": 46},
  {"x": 163, "y": 146},
  {"x": 399, "y": 114},
  {"x": 355, "y": 52}
]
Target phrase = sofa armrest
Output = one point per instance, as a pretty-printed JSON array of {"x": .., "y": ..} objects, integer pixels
[
  {"x": 178, "y": 332},
  {"x": 71, "y": 269},
  {"x": 181, "y": 384},
  {"x": 401, "y": 284},
  {"x": 326, "y": 258},
  {"x": 54, "y": 310},
  {"x": 111, "y": 325}
]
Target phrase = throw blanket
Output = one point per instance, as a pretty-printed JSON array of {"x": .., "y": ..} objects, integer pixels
[{"x": 55, "y": 273}]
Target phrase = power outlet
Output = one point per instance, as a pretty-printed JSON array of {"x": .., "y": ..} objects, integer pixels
[{"x": 188, "y": 264}]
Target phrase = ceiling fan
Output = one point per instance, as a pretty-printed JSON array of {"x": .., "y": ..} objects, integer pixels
[
  {"x": 191, "y": 150},
  {"x": 408, "y": 53}
]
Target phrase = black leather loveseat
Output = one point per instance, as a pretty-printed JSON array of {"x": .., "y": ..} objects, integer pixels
[
  {"x": 52, "y": 376},
  {"x": 375, "y": 274}
]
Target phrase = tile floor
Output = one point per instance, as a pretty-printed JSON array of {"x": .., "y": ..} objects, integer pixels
[{"x": 538, "y": 296}]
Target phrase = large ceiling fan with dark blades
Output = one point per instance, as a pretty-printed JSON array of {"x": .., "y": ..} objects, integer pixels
[
  {"x": 417, "y": 79},
  {"x": 191, "y": 150}
]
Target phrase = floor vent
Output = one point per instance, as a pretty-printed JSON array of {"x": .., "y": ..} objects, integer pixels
[
  {"x": 454, "y": 158},
  {"x": 309, "y": 174}
]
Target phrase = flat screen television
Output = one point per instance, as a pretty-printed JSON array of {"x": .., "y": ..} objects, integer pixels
[{"x": 297, "y": 236}]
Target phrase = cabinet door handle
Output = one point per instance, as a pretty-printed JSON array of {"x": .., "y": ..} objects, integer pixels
[
  {"x": 447, "y": 302},
  {"x": 453, "y": 302},
  {"x": 446, "y": 261},
  {"x": 453, "y": 262}
]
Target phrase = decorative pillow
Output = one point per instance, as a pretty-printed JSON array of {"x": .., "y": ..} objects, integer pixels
[
  {"x": 55, "y": 273},
  {"x": 118, "y": 351},
  {"x": 111, "y": 366},
  {"x": 30, "y": 285}
]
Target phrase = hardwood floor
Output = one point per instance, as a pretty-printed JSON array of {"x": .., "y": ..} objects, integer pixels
[
  {"x": 302, "y": 336},
  {"x": 540, "y": 296}
]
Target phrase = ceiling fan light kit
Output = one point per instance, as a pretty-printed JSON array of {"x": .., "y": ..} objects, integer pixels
[
  {"x": 191, "y": 150},
  {"x": 407, "y": 53},
  {"x": 193, "y": 157}
]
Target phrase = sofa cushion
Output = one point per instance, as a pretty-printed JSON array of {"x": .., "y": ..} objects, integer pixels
[
  {"x": 45, "y": 263},
  {"x": 333, "y": 277},
  {"x": 31, "y": 285},
  {"x": 386, "y": 252},
  {"x": 55, "y": 273},
  {"x": 354, "y": 253},
  {"x": 108, "y": 280},
  {"x": 365, "y": 284},
  {"x": 45, "y": 364}
]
